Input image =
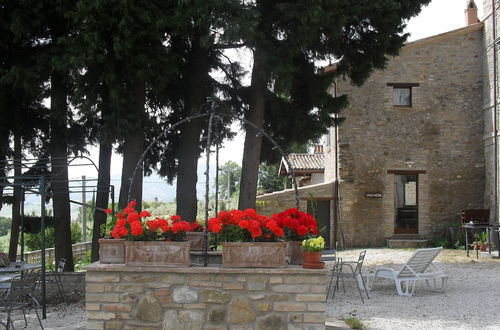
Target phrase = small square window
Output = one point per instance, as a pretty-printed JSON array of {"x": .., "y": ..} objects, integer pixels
[{"x": 402, "y": 96}]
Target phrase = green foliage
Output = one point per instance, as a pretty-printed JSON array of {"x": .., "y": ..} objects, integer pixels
[
  {"x": 80, "y": 263},
  {"x": 458, "y": 245},
  {"x": 354, "y": 323},
  {"x": 270, "y": 180},
  {"x": 33, "y": 241},
  {"x": 482, "y": 237},
  {"x": 443, "y": 242},
  {"x": 233, "y": 234},
  {"x": 5, "y": 225},
  {"x": 229, "y": 177},
  {"x": 4, "y": 243},
  {"x": 160, "y": 209}
]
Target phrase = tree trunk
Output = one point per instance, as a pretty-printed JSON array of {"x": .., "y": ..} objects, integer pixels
[
  {"x": 102, "y": 196},
  {"x": 4, "y": 148},
  {"x": 59, "y": 162},
  {"x": 16, "y": 205},
  {"x": 189, "y": 148},
  {"x": 133, "y": 147},
  {"x": 253, "y": 141}
]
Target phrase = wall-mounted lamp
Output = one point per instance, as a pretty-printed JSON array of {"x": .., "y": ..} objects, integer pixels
[{"x": 409, "y": 162}]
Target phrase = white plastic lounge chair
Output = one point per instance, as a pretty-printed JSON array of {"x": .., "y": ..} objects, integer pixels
[{"x": 418, "y": 267}]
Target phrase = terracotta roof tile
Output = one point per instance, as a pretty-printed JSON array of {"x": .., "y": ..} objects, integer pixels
[{"x": 308, "y": 163}]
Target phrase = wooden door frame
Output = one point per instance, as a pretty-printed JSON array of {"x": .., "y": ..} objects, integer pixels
[{"x": 406, "y": 172}]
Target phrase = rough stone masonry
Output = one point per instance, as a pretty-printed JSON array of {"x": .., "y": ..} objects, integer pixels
[{"x": 120, "y": 297}]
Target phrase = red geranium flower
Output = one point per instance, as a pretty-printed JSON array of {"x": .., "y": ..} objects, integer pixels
[
  {"x": 133, "y": 217},
  {"x": 144, "y": 214},
  {"x": 214, "y": 225},
  {"x": 136, "y": 228},
  {"x": 175, "y": 218}
]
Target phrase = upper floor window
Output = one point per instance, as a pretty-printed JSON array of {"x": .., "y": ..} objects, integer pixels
[{"x": 402, "y": 94}]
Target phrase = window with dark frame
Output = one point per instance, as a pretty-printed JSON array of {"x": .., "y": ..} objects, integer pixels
[{"x": 402, "y": 94}]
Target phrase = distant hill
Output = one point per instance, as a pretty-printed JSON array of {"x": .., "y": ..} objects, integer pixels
[{"x": 153, "y": 187}]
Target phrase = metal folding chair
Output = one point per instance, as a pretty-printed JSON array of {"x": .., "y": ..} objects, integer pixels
[
  {"x": 349, "y": 269},
  {"x": 20, "y": 296},
  {"x": 54, "y": 277},
  {"x": 329, "y": 255}
]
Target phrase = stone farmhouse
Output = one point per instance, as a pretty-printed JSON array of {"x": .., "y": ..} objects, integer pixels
[{"x": 418, "y": 144}]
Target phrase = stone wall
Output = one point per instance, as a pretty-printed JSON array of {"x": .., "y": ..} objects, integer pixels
[
  {"x": 441, "y": 135},
  {"x": 72, "y": 282},
  {"x": 120, "y": 297},
  {"x": 489, "y": 103},
  {"x": 279, "y": 201}
]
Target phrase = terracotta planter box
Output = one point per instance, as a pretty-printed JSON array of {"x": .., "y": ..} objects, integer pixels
[
  {"x": 157, "y": 253},
  {"x": 111, "y": 251},
  {"x": 196, "y": 239},
  {"x": 295, "y": 253},
  {"x": 253, "y": 254}
]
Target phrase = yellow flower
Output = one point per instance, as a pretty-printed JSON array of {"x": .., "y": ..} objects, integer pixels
[{"x": 314, "y": 244}]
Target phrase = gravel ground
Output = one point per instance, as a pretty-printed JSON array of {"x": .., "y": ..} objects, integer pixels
[
  {"x": 471, "y": 300},
  {"x": 59, "y": 316}
]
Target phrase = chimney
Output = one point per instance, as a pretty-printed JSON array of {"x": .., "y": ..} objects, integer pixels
[
  {"x": 318, "y": 149},
  {"x": 471, "y": 13}
]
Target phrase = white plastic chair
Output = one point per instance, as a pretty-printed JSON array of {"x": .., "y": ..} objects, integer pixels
[{"x": 418, "y": 267}]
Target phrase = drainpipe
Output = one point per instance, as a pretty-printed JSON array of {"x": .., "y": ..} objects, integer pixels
[
  {"x": 336, "y": 186},
  {"x": 495, "y": 128}
]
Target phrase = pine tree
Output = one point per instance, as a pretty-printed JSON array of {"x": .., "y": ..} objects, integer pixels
[{"x": 290, "y": 37}]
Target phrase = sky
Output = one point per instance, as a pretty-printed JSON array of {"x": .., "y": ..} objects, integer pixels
[{"x": 438, "y": 17}]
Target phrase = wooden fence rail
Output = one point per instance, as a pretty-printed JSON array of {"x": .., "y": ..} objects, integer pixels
[{"x": 79, "y": 251}]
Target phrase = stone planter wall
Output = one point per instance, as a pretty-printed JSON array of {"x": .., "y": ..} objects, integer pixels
[
  {"x": 120, "y": 297},
  {"x": 73, "y": 284}
]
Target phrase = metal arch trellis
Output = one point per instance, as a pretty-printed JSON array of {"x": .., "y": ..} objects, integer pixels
[
  {"x": 28, "y": 185},
  {"x": 212, "y": 114}
]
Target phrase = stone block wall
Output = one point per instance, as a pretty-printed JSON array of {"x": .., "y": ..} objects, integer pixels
[
  {"x": 72, "y": 282},
  {"x": 279, "y": 201},
  {"x": 120, "y": 297},
  {"x": 491, "y": 50}
]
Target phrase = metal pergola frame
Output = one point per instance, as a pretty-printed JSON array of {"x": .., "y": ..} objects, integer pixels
[
  {"x": 210, "y": 110},
  {"x": 41, "y": 185}
]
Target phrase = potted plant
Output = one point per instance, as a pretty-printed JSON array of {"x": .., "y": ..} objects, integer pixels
[
  {"x": 111, "y": 250},
  {"x": 196, "y": 235},
  {"x": 312, "y": 252},
  {"x": 481, "y": 241},
  {"x": 297, "y": 226},
  {"x": 249, "y": 239},
  {"x": 155, "y": 242}
]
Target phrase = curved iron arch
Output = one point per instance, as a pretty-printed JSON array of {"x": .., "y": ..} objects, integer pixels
[
  {"x": 212, "y": 114},
  {"x": 218, "y": 116}
]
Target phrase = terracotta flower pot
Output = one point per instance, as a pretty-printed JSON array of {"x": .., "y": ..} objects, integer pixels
[
  {"x": 295, "y": 252},
  {"x": 196, "y": 239},
  {"x": 253, "y": 254},
  {"x": 483, "y": 247},
  {"x": 312, "y": 260},
  {"x": 111, "y": 251},
  {"x": 157, "y": 253}
]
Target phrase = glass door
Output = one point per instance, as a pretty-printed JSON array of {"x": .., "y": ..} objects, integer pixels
[{"x": 406, "y": 204}]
